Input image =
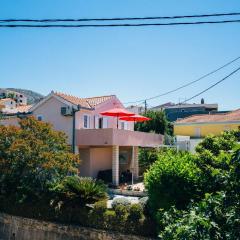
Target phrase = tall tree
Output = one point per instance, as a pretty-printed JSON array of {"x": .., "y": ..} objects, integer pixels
[{"x": 157, "y": 124}]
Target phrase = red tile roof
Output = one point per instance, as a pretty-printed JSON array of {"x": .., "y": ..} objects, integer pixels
[
  {"x": 200, "y": 118},
  {"x": 84, "y": 102},
  {"x": 19, "y": 109},
  {"x": 6, "y": 99}
]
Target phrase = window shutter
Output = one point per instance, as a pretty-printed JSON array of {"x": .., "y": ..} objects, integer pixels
[
  {"x": 105, "y": 122},
  {"x": 96, "y": 121},
  {"x": 89, "y": 122}
]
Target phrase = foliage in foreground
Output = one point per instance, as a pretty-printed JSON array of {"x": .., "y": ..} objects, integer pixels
[
  {"x": 79, "y": 191},
  {"x": 38, "y": 180},
  {"x": 211, "y": 209},
  {"x": 32, "y": 157},
  {"x": 172, "y": 180}
]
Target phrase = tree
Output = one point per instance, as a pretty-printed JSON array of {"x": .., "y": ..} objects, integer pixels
[
  {"x": 174, "y": 179},
  {"x": 157, "y": 124},
  {"x": 32, "y": 157}
]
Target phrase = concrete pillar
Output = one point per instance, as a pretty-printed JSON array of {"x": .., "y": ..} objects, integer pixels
[
  {"x": 76, "y": 150},
  {"x": 135, "y": 162},
  {"x": 115, "y": 165}
]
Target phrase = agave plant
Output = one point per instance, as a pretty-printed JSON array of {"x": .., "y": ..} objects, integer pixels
[{"x": 79, "y": 191}]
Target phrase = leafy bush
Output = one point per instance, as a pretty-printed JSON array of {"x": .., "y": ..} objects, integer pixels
[
  {"x": 135, "y": 212},
  {"x": 120, "y": 201},
  {"x": 33, "y": 156},
  {"x": 173, "y": 179},
  {"x": 157, "y": 124},
  {"x": 79, "y": 191},
  {"x": 201, "y": 221},
  {"x": 147, "y": 157}
]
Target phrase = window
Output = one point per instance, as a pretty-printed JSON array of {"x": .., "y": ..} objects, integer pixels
[
  {"x": 197, "y": 132},
  {"x": 39, "y": 117},
  {"x": 123, "y": 125},
  {"x": 227, "y": 128},
  {"x": 86, "y": 121},
  {"x": 100, "y": 122},
  {"x": 103, "y": 122}
]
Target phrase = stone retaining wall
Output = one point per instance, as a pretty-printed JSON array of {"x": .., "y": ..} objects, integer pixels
[{"x": 18, "y": 228}]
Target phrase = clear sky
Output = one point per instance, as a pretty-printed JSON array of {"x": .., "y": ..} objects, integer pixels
[{"x": 133, "y": 63}]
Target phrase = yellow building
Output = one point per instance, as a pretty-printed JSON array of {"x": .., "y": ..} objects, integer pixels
[{"x": 199, "y": 126}]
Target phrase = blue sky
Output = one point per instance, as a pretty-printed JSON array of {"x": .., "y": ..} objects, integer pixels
[{"x": 133, "y": 63}]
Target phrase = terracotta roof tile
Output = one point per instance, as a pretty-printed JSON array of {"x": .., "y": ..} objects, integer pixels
[
  {"x": 6, "y": 99},
  {"x": 93, "y": 101},
  {"x": 73, "y": 99},
  {"x": 19, "y": 109},
  {"x": 224, "y": 117},
  {"x": 84, "y": 102}
]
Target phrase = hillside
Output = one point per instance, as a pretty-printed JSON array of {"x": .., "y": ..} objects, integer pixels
[{"x": 33, "y": 97}]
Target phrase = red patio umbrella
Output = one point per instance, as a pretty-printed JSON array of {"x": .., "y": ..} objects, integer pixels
[
  {"x": 117, "y": 112},
  {"x": 135, "y": 118}
]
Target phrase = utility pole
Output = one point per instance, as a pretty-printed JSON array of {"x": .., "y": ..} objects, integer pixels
[{"x": 145, "y": 106}]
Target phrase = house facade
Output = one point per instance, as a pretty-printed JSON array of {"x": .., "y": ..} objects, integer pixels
[
  {"x": 101, "y": 145},
  {"x": 199, "y": 126},
  {"x": 19, "y": 98}
]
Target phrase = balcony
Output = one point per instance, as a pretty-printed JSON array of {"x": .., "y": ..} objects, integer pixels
[{"x": 118, "y": 137}]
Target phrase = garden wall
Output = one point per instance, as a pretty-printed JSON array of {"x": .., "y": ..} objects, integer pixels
[{"x": 18, "y": 228}]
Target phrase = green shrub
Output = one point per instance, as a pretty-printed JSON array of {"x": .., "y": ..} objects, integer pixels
[
  {"x": 79, "y": 191},
  {"x": 202, "y": 220},
  {"x": 120, "y": 201},
  {"x": 173, "y": 180},
  {"x": 135, "y": 212}
]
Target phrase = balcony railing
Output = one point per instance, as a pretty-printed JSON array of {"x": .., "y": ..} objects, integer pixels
[{"x": 110, "y": 137}]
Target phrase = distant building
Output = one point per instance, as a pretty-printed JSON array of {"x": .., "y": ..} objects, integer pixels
[
  {"x": 189, "y": 131},
  {"x": 178, "y": 111},
  {"x": 19, "y": 98},
  {"x": 7, "y": 104},
  {"x": 135, "y": 109}
]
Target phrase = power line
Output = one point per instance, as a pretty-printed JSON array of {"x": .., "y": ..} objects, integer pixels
[
  {"x": 113, "y": 25},
  {"x": 120, "y": 18},
  {"x": 187, "y": 84},
  {"x": 215, "y": 84}
]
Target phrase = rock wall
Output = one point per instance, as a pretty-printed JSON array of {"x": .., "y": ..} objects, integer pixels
[{"x": 18, "y": 228}]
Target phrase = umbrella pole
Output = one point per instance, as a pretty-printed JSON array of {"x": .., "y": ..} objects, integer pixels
[{"x": 117, "y": 122}]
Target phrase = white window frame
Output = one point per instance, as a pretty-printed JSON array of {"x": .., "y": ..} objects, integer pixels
[{"x": 88, "y": 121}]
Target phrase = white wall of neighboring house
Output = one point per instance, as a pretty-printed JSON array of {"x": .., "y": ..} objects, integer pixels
[
  {"x": 8, "y": 103},
  {"x": 185, "y": 143}
]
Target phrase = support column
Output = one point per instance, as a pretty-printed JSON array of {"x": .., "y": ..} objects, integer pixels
[
  {"x": 135, "y": 162},
  {"x": 115, "y": 165}
]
